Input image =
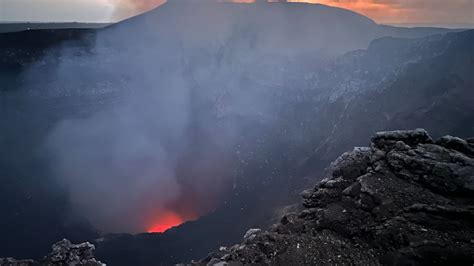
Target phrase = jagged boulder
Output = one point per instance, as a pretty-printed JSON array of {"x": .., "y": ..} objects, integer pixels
[
  {"x": 66, "y": 253},
  {"x": 63, "y": 253},
  {"x": 405, "y": 200}
]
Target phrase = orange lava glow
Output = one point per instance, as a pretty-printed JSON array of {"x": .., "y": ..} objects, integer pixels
[{"x": 165, "y": 222}]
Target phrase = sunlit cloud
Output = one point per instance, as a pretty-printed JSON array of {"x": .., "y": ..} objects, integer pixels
[
  {"x": 408, "y": 11},
  {"x": 437, "y": 12}
]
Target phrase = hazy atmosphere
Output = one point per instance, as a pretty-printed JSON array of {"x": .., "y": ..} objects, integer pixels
[
  {"x": 216, "y": 132},
  {"x": 453, "y": 13}
]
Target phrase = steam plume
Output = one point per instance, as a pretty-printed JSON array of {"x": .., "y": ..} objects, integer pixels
[{"x": 156, "y": 105}]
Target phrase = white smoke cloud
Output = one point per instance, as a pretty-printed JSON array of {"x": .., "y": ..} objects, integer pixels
[
  {"x": 155, "y": 108},
  {"x": 115, "y": 163}
]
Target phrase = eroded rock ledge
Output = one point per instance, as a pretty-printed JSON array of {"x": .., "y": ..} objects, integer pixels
[
  {"x": 407, "y": 199},
  {"x": 63, "y": 253}
]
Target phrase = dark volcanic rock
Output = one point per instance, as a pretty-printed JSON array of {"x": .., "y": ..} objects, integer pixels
[
  {"x": 14, "y": 262},
  {"x": 406, "y": 200},
  {"x": 63, "y": 253}
]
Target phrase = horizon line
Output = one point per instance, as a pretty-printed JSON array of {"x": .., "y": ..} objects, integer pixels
[
  {"x": 447, "y": 25},
  {"x": 403, "y": 25}
]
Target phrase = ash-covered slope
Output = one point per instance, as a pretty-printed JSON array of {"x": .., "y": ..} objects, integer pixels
[{"x": 405, "y": 200}]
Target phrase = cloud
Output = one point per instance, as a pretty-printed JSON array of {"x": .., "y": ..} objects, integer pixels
[
  {"x": 127, "y": 8},
  {"x": 56, "y": 10},
  {"x": 409, "y": 11}
]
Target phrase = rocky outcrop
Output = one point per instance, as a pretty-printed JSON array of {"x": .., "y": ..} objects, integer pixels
[
  {"x": 63, "y": 253},
  {"x": 405, "y": 200},
  {"x": 14, "y": 262}
]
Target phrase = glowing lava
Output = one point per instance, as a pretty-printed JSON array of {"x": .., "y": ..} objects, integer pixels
[{"x": 165, "y": 222}]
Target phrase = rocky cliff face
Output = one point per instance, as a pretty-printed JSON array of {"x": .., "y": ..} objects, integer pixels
[
  {"x": 405, "y": 200},
  {"x": 63, "y": 253}
]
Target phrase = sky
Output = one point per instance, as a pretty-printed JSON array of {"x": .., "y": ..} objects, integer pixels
[{"x": 414, "y": 12}]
